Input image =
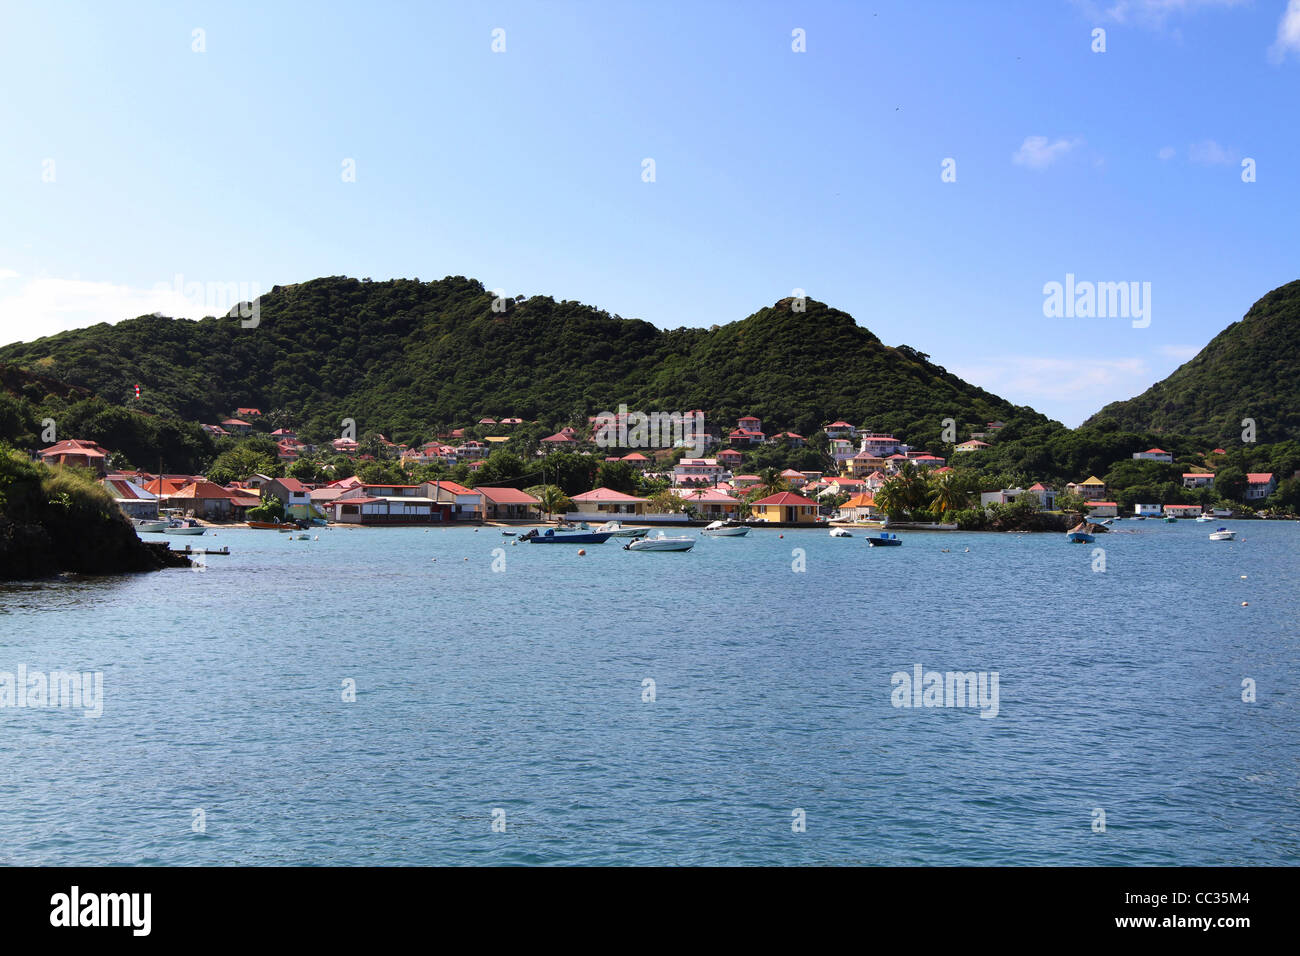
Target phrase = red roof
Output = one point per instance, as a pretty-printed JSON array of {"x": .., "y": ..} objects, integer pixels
[
  {"x": 202, "y": 489},
  {"x": 292, "y": 484},
  {"x": 606, "y": 494},
  {"x": 454, "y": 488},
  {"x": 1198, "y": 474},
  {"x": 507, "y": 496},
  {"x": 559, "y": 437},
  {"x": 785, "y": 498},
  {"x": 73, "y": 446},
  {"x": 839, "y": 425},
  {"x": 1155, "y": 451},
  {"x": 1259, "y": 477},
  {"x": 635, "y": 456}
]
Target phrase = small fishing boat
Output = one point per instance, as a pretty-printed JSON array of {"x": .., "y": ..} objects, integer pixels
[
  {"x": 1170, "y": 519},
  {"x": 840, "y": 533},
  {"x": 616, "y": 530},
  {"x": 1080, "y": 537},
  {"x": 723, "y": 529},
  {"x": 266, "y": 525},
  {"x": 185, "y": 526},
  {"x": 1222, "y": 534},
  {"x": 149, "y": 525},
  {"x": 551, "y": 536},
  {"x": 884, "y": 540},
  {"x": 661, "y": 543},
  {"x": 509, "y": 534}
]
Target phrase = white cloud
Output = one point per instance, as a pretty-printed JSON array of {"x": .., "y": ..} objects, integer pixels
[
  {"x": 1149, "y": 13},
  {"x": 45, "y": 305},
  {"x": 9, "y": 274},
  {"x": 1210, "y": 153},
  {"x": 1288, "y": 33},
  {"x": 1037, "y": 153},
  {"x": 1167, "y": 153},
  {"x": 1179, "y": 352},
  {"x": 1022, "y": 377}
]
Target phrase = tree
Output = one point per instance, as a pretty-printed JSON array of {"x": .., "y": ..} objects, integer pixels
[
  {"x": 948, "y": 493},
  {"x": 666, "y": 502},
  {"x": 552, "y": 500}
]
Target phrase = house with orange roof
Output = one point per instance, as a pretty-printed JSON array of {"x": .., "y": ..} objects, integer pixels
[
  {"x": 466, "y": 504},
  {"x": 1198, "y": 479},
  {"x": 73, "y": 451},
  {"x": 204, "y": 499},
  {"x": 711, "y": 503},
  {"x": 840, "y": 429},
  {"x": 793, "y": 439},
  {"x": 795, "y": 479},
  {"x": 237, "y": 426},
  {"x": 248, "y": 413},
  {"x": 972, "y": 445},
  {"x": 509, "y": 503},
  {"x": 785, "y": 507},
  {"x": 295, "y": 496},
  {"x": 636, "y": 460},
  {"x": 602, "y": 502},
  {"x": 861, "y": 507}
]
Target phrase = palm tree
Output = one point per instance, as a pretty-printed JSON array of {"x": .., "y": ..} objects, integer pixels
[
  {"x": 551, "y": 499},
  {"x": 770, "y": 483},
  {"x": 948, "y": 493},
  {"x": 891, "y": 498}
]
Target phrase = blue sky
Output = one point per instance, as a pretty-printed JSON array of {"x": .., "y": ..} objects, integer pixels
[{"x": 130, "y": 158}]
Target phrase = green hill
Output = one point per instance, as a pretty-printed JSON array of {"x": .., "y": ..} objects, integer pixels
[
  {"x": 1249, "y": 370},
  {"x": 406, "y": 358}
]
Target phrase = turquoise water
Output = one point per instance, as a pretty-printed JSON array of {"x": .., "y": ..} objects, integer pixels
[{"x": 522, "y": 690}]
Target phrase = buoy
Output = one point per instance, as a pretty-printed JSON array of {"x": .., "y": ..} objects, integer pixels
[
  {"x": 581, "y": 552},
  {"x": 1245, "y": 604},
  {"x": 467, "y": 559},
  {"x": 780, "y": 536},
  {"x": 1243, "y": 577}
]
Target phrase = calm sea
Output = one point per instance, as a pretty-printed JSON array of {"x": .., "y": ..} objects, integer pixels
[{"x": 521, "y": 696}]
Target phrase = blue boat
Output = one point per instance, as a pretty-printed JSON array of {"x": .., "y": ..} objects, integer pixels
[
  {"x": 551, "y": 536},
  {"x": 884, "y": 540},
  {"x": 1080, "y": 537}
]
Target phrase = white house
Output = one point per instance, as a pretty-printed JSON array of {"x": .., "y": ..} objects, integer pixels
[
  {"x": 1154, "y": 454},
  {"x": 1147, "y": 511},
  {"x": 1260, "y": 484},
  {"x": 691, "y": 471},
  {"x": 1102, "y": 509},
  {"x": 1198, "y": 479}
]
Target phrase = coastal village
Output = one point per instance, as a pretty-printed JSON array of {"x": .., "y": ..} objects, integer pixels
[{"x": 860, "y": 486}]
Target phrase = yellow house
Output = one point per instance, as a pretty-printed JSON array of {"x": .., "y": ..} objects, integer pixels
[
  {"x": 786, "y": 506},
  {"x": 1093, "y": 488}
]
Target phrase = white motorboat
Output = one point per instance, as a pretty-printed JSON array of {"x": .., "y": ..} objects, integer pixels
[
  {"x": 661, "y": 543},
  {"x": 184, "y": 526},
  {"x": 1202, "y": 519},
  {"x": 617, "y": 530},
  {"x": 1222, "y": 534},
  {"x": 150, "y": 525},
  {"x": 721, "y": 529},
  {"x": 840, "y": 533}
]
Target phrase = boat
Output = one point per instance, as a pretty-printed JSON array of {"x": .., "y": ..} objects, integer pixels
[
  {"x": 840, "y": 533},
  {"x": 884, "y": 540},
  {"x": 185, "y": 526},
  {"x": 267, "y": 525},
  {"x": 150, "y": 525},
  {"x": 1170, "y": 519},
  {"x": 1080, "y": 537},
  {"x": 1222, "y": 534},
  {"x": 661, "y": 543},
  {"x": 551, "y": 536},
  {"x": 509, "y": 534},
  {"x": 722, "y": 529},
  {"x": 1203, "y": 519},
  {"x": 618, "y": 531},
  {"x": 1109, "y": 521}
]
